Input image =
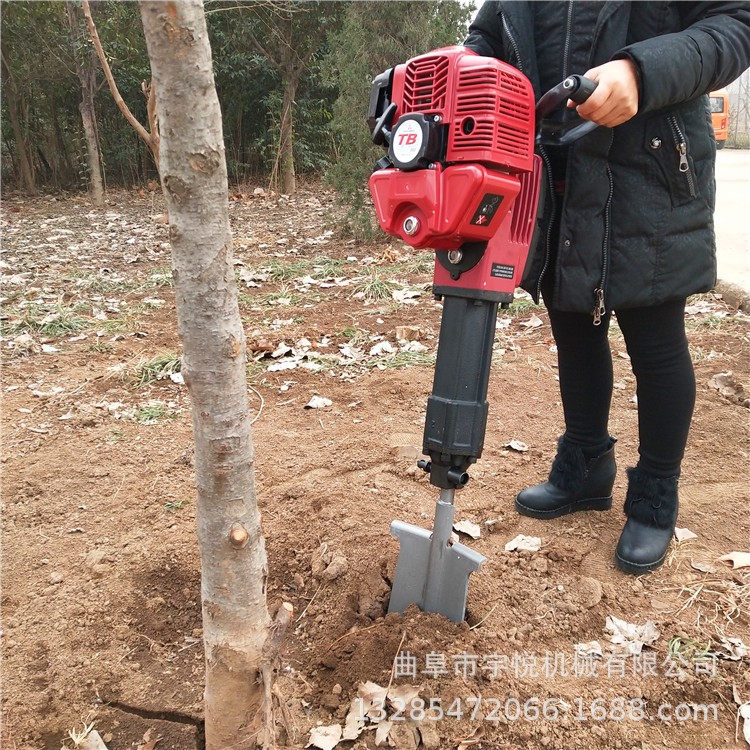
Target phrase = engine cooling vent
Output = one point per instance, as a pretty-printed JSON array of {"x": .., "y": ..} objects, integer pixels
[
  {"x": 524, "y": 207},
  {"x": 426, "y": 85},
  {"x": 493, "y": 111}
]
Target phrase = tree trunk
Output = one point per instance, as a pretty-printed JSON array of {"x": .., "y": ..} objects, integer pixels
[
  {"x": 286, "y": 144},
  {"x": 65, "y": 169},
  {"x": 232, "y": 548},
  {"x": 84, "y": 60},
  {"x": 22, "y": 152}
]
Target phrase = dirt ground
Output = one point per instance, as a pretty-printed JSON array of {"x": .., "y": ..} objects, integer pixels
[{"x": 100, "y": 596}]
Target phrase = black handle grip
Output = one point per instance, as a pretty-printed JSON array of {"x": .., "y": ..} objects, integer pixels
[
  {"x": 381, "y": 133},
  {"x": 576, "y": 88},
  {"x": 581, "y": 88}
]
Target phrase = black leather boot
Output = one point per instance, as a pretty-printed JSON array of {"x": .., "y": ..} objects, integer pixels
[
  {"x": 575, "y": 483},
  {"x": 651, "y": 506}
]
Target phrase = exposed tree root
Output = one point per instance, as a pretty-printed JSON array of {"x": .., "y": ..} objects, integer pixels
[{"x": 269, "y": 662}]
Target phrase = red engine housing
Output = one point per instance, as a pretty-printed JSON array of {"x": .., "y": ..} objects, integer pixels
[
  {"x": 484, "y": 184},
  {"x": 487, "y": 105}
]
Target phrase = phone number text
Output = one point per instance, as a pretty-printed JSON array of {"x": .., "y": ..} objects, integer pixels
[{"x": 535, "y": 709}]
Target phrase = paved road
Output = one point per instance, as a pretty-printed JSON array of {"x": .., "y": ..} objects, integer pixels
[{"x": 732, "y": 216}]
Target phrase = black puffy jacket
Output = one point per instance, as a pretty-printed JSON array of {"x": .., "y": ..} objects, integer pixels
[{"x": 636, "y": 225}]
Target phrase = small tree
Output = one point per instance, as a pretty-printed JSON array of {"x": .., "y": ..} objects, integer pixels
[
  {"x": 86, "y": 71},
  {"x": 239, "y": 650},
  {"x": 293, "y": 33}
]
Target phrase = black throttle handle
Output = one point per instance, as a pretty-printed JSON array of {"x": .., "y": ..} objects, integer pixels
[
  {"x": 381, "y": 132},
  {"x": 578, "y": 89}
]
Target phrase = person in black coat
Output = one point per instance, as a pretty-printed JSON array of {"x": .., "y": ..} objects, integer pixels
[{"x": 627, "y": 227}]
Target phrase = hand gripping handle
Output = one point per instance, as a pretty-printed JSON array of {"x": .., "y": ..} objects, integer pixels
[{"x": 549, "y": 133}]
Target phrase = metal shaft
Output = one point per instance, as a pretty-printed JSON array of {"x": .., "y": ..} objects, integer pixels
[{"x": 439, "y": 548}]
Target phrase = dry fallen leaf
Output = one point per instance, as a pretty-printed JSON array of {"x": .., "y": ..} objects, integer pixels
[
  {"x": 743, "y": 712},
  {"x": 517, "y": 445},
  {"x": 373, "y": 697},
  {"x": 469, "y": 528},
  {"x": 403, "y": 695},
  {"x": 590, "y": 648},
  {"x": 682, "y": 535},
  {"x": 631, "y": 638},
  {"x": 533, "y": 322},
  {"x": 148, "y": 743},
  {"x": 384, "y": 347},
  {"x": 703, "y": 567},
  {"x": 473, "y": 739},
  {"x": 521, "y": 543},
  {"x": 318, "y": 402},
  {"x": 381, "y": 733},
  {"x": 405, "y": 295},
  {"x": 92, "y": 741},
  {"x": 325, "y": 738},
  {"x": 733, "y": 649},
  {"x": 738, "y": 559},
  {"x": 354, "y": 724}
]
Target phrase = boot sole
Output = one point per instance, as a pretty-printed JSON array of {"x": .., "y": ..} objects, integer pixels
[
  {"x": 636, "y": 568},
  {"x": 592, "y": 503}
]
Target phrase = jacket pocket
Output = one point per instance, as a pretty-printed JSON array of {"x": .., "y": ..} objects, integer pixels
[{"x": 668, "y": 145}]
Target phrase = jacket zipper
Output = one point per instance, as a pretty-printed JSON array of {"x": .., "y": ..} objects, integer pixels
[
  {"x": 566, "y": 52},
  {"x": 548, "y": 237},
  {"x": 681, "y": 146},
  {"x": 600, "y": 309},
  {"x": 545, "y": 158},
  {"x": 513, "y": 44}
]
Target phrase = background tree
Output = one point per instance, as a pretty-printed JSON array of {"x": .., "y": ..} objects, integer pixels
[
  {"x": 376, "y": 36},
  {"x": 739, "y": 111},
  {"x": 251, "y": 91},
  {"x": 239, "y": 651},
  {"x": 85, "y": 62},
  {"x": 275, "y": 62},
  {"x": 15, "y": 104},
  {"x": 39, "y": 86},
  {"x": 40, "y": 57},
  {"x": 288, "y": 35}
]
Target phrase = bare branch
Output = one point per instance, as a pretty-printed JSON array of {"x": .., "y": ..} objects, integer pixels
[
  {"x": 273, "y": 6},
  {"x": 259, "y": 48},
  {"x": 149, "y": 91},
  {"x": 145, "y": 136}
]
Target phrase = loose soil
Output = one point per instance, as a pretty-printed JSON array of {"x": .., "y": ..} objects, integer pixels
[{"x": 101, "y": 598}]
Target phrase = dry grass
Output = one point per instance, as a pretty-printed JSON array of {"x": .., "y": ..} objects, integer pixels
[{"x": 719, "y": 597}]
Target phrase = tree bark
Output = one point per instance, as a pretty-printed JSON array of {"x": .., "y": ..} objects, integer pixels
[
  {"x": 286, "y": 144},
  {"x": 65, "y": 170},
  {"x": 84, "y": 60},
  {"x": 232, "y": 548},
  {"x": 22, "y": 152}
]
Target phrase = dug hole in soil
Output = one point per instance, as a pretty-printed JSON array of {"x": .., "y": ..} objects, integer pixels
[{"x": 101, "y": 598}]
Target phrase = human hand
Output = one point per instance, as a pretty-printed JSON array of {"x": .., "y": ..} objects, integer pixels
[{"x": 615, "y": 99}]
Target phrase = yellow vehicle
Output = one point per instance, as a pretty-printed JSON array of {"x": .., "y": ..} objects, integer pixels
[{"x": 719, "y": 100}]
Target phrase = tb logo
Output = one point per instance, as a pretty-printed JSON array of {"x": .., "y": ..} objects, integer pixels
[{"x": 407, "y": 139}]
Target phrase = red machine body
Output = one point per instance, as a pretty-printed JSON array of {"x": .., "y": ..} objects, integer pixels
[{"x": 461, "y": 173}]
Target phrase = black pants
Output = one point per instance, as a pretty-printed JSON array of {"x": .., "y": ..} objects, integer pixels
[{"x": 658, "y": 350}]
